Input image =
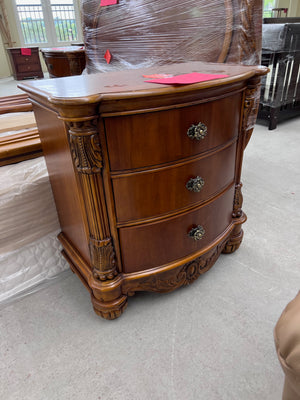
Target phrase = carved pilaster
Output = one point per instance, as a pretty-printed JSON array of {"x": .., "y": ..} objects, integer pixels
[
  {"x": 239, "y": 217},
  {"x": 238, "y": 201},
  {"x": 87, "y": 159},
  {"x": 251, "y": 104},
  {"x": 85, "y": 146},
  {"x": 103, "y": 259}
]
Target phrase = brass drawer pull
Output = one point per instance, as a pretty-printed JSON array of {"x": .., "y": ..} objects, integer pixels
[
  {"x": 197, "y": 131},
  {"x": 197, "y": 233},
  {"x": 195, "y": 184}
]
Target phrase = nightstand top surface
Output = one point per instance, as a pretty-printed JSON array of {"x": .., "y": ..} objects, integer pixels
[{"x": 131, "y": 83}]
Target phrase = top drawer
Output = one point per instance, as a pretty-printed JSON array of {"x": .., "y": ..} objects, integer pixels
[
  {"x": 141, "y": 140},
  {"x": 33, "y": 58}
]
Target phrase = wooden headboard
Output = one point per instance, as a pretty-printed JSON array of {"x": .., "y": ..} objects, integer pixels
[
  {"x": 153, "y": 32},
  {"x": 149, "y": 32}
]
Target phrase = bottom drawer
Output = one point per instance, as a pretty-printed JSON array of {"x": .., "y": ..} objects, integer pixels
[{"x": 155, "y": 244}]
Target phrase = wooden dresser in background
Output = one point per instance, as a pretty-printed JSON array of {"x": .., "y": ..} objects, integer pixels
[
  {"x": 146, "y": 178},
  {"x": 64, "y": 61},
  {"x": 25, "y": 66}
]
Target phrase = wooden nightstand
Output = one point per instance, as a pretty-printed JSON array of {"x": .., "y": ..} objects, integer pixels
[
  {"x": 146, "y": 177},
  {"x": 64, "y": 61},
  {"x": 25, "y": 66}
]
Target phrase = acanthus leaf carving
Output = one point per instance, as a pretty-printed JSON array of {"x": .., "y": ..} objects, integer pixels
[
  {"x": 237, "y": 201},
  {"x": 103, "y": 259},
  {"x": 85, "y": 146},
  {"x": 186, "y": 274},
  {"x": 87, "y": 159},
  {"x": 251, "y": 104}
]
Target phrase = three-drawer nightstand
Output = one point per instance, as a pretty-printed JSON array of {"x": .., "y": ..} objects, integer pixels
[{"x": 146, "y": 178}]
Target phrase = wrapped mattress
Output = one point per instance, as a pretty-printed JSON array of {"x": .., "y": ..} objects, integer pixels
[{"x": 29, "y": 250}]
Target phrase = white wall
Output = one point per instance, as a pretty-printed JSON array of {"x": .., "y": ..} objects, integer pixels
[
  {"x": 5, "y": 70},
  {"x": 292, "y": 5},
  {"x": 293, "y": 8}
]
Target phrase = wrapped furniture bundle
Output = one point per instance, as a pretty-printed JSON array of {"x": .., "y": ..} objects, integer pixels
[{"x": 145, "y": 32}]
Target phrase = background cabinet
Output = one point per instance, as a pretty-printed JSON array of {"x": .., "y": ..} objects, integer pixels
[
  {"x": 64, "y": 61},
  {"x": 27, "y": 65}
]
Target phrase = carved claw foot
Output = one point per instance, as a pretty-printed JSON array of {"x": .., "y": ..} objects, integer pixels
[
  {"x": 111, "y": 310},
  {"x": 234, "y": 241}
]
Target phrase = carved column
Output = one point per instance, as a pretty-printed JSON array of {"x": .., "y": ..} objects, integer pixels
[
  {"x": 251, "y": 103},
  {"x": 87, "y": 159}
]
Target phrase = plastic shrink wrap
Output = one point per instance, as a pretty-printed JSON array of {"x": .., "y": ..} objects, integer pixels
[
  {"x": 139, "y": 33},
  {"x": 29, "y": 250}
]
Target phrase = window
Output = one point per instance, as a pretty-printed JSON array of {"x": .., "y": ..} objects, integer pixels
[
  {"x": 268, "y": 6},
  {"x": 52, "y": 22}
]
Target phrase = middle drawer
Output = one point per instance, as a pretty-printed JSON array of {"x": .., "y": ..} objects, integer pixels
[
  {"x": 160, "y": 191},
  {"x": 28, "y": 67}
]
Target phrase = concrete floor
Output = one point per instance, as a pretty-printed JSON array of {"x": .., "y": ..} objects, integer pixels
[
  {"x": 8, "y": 86},
  {"x": 212, "y": 340}
]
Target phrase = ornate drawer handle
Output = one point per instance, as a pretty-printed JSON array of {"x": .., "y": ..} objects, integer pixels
[
  {"x": 197, "y": 131},
  {"x": 195, "y": 184},
  {"x": 197, "y": 233}
]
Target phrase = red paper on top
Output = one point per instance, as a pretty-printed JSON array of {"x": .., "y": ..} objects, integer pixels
[
  {"x": 25, "y": 51},
  {"x": 108, "y": 2},
  {"x": 187, "y": 79}
]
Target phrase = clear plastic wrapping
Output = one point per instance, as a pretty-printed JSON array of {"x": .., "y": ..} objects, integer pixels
[
  {"x": 30, "y": 268},
  {"x": 27, "y": 209},
  {"x": 143, "y": 33},
  {"x": 273, "y": 37},
  {"x": 29, "y": 249}
]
